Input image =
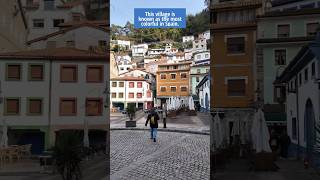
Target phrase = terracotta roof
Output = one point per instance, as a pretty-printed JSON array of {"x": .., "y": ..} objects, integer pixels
[
  {"x": 103, "y": 23},
  {"x": 236, "y": 4},
  {"x": 70, "y": 4},
  {"x": 171, "y": 64},
  {"x": 291, "y": 13},
  {"x": 56, "y": 54},
  {"x": 128, "y": 78},
  {"x": 63, "y": 31}
]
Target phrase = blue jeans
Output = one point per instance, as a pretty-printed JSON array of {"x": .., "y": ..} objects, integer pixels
[{"x": 153, "y": 133}]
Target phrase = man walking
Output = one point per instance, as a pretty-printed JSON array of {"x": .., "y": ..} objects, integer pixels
[{"x": 153, "y": 117}]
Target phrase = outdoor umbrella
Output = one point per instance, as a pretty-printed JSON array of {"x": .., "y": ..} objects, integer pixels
[
  {"x": 86, "y": 134},
  {"x": 191, "y": 103},
  {"x": 260, "y": 133},
  {"x": 4, "y": 137}
]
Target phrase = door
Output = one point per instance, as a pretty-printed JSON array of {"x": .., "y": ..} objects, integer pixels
[{"x": 309, "y": 130}]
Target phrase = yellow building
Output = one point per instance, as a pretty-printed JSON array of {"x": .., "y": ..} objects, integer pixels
[
  {"x": 173, "y": 80},
  {"x": 233, "y": 66}
]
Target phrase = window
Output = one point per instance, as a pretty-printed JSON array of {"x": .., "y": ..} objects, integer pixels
[
  {"x": 183, "y": 89},
  {"x": 12, "y": 106},
  {"x": 139, "y": 84},
  {"x": 183, "y": 75},
  {"x": 69, "y": 73},
  {"x": 70, "y": 44},
  {"x": 56, "y": 22},
  {"x": 48, "y": 4},
  {"x": 68, "y": 106},
  {"x": 173, "y": 76},
  {"x": 175, "y": 67},
  {"x": 94, "y": 106},
  {"x": 131, "y": 95},
  {"x": 173, "y": 89},
  {"x": 163, "y": 89},
  {"x": 38, "y": 23},
  {"x": 313, "y": 70},
  {"x": 283, "y": 31},
  {"x": 280, "y": 56},
  {"x": 121, "y": 84},
  {"x": 120, "y": 95},
  {"x": 312, "y": 29},
  {"x": 34, "y": 106},
  {"x": 236, "y": 45},
  {"x": 13, "y": 72},
  {"x": 36, "y": 72},
  {"x": 279, "y": 93},
  {"x": 306, "y": 73},
  {"x": 114, "y": 84},
  {"x": 149, "y": 94},
  {"x": 198, "y": 71},
  {"x": 95, "y": 73},
  {"x": 236, "y": 87},
  {"x": 199, "y": 56},
  {"x": 294, "y": 128},
  {"x": 207, "y": 70},
  {"x": 139, "y": 95},
  {"x": 207, "y": 56},
  {"x": 131, "y": 84},
  {"x": 197, "y": 79},
  {"x": 114, "y": 95}
]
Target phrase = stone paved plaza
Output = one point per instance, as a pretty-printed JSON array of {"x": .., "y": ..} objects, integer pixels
[{"x": 174, "y": 156}]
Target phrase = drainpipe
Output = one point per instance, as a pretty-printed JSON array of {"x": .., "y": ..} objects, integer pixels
[
  {"x": 50, "y": 129},
  {"x": 298, "y": 119}
]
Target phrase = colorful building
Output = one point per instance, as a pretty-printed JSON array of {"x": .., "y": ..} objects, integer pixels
[
  {"x": 281, "y": 34},
  {"x": 197, "y": 73},
  {"x": 233, "y": 64},
  {"x": 173, "y": 80}
]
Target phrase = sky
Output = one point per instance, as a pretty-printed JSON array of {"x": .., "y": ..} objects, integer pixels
[{"x": 121, "y": 11}]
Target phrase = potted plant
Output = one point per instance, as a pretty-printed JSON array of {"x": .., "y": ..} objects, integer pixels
[
  {"x": 67, "y": 154},
  {"x": 131, "y": 110}
]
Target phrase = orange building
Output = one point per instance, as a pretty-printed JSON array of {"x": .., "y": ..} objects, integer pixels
[
  {"x": 173, "y": 80},
  {"x": 233, "y": 66}
]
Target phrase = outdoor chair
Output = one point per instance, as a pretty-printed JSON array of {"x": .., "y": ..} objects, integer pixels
[
  {"x": 26, "y": 150},
  {"x": 12, "y": 153}
]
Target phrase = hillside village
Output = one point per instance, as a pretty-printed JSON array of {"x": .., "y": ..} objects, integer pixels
[{"x": 147, "y": 74}]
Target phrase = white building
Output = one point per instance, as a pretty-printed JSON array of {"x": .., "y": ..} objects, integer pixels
[
  {"x": 124, "y": 66},
  {"x": 203, "y": 92},
  {"x": 84, "y": 36},
  {"x": 130, "y": 90},
  {"x": 188, "y": 53},
  {"x": 139, "y": 50},
  {"x": 205, "y": 35},
  {"x": 199, "y": 45},
  {"x": 44, "y": 17},
  {"x": 302, "y": 101},
  {"x": 187, "y": 38},
  {"x": 156, "y": 52},
  {"x": 122, "y": 43},
  {"x": 45, "y": 91},
  {"x": 201, "y": 57}
]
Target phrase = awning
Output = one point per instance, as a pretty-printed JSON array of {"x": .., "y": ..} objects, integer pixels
[{"x": 276, "y": 118}]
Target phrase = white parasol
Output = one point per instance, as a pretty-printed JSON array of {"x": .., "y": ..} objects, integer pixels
[
  {"x": 85, "y": 133},
  {"x": 4, "y": 137},
  {"x": 259, "y": 133}
]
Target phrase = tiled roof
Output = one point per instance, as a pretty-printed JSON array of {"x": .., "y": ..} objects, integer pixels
[
  {"x": 103, "y": 23},
  {"x": 128, "y": 78},
  {"x": 56, "y": 54},
  {"x": 62, "y": 31},
  {"x": 70, "y": 4},
  {"x": 236, "y": 4}
]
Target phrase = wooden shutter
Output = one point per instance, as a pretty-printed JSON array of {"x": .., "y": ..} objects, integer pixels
[
  {"x": 35, "y": 106},
  {"x": 236, "y": 87},
  {"x": 69, "y": 74},
  {"x": 68, "y": 107},
  {"x": 13, "y": 106},
  {"x": 13, "y": 71},
  {"x": 94, "y": 107},
  {"x": 36, "y": 72},
  {"x": 94, "y": 74}
]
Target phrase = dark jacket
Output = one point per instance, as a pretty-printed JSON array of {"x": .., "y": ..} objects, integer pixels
[{"x": 156, "y": 118}]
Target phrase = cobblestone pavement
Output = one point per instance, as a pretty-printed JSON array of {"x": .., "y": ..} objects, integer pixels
[
  {"x": 174, "y": 156},
  {"x": 201, "y": 122}
]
